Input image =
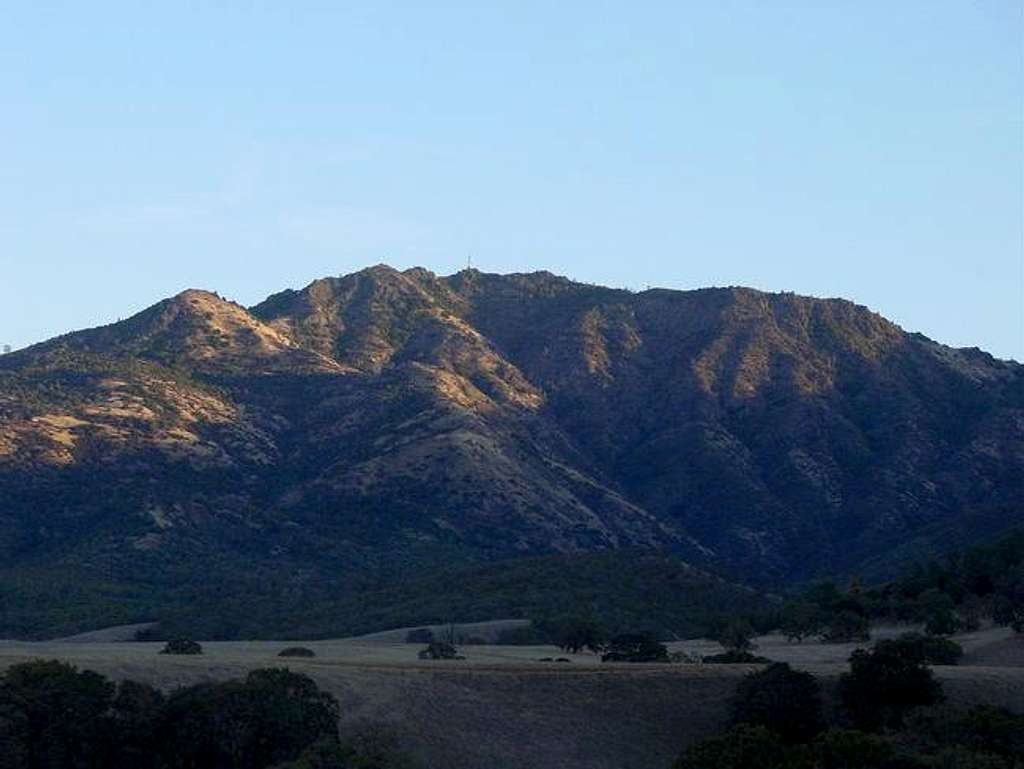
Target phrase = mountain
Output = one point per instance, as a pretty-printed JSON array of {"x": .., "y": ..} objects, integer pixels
[{"x": 378, "y": 426}]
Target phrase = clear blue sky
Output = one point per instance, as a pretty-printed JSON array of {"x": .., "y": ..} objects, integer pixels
[{"x": 870, "y": 150}]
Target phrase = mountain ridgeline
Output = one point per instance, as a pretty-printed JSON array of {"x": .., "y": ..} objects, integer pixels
[{"x": 366, "y": 429}]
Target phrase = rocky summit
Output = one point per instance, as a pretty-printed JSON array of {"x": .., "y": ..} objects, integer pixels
[{"x": 380, "y": 424}]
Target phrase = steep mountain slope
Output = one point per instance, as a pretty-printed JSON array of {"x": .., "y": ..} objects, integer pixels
[
  {"x": 334, "y": 439},
  {"x": 826, "y": 432}
]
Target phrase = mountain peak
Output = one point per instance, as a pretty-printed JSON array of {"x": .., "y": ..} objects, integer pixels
[
  {"x": 196, "y": 328},
  {"x": 360, "y": 319},
  {"x": 199, "y": 295}
]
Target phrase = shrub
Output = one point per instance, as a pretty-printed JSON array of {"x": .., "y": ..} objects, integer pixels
[
  {"x": 439, "y": 650},
  {"x": 182, "y": 646},
  {"x": 296, "y": 651},
  {"x": 783, "y": 700},
  {"x": 735, "y": 658},
  {"x": 884, "y": 684},
  {"x": 635, "y": 647},
  {"x": 929, "y": 650}
]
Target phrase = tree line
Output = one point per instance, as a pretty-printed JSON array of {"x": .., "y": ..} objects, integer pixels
[
  {"x": 891, "y": 715},
  {"x": 54, "y": 716},
  {"x": 946, "y": 597}
]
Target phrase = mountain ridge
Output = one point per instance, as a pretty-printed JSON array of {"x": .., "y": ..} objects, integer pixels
[{"x": 385, "y": 418}]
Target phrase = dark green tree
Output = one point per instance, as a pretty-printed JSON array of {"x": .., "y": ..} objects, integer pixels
[
  {"x": 324, "y": 754},
  {"x": 14, "y": 736},
  {"x": 370, "y": 749},
  {"x": 574, "y": 634},
  {"x": 736, "y": 635},
  {"x": 849, "y": 749},
  {"x": 1008, "y": 607},
  {"x": 800, "y": 620},
  {"x": 296, "y": 651},
  {"x": 135, "y": 716},
  {"x": 928, "y": 650},
  {"x": 942, "y": 622},
  {"x": 783, "y": 700},
  {"x": 884, "y": 684},
  {"x": 270, "y": 717},
  {"x": 934, "y": 601},
  {"x": 56, "y": 716},
  {"x": 985, "y": 729},
  {"x": 439, "y": 650},
  {"x": 635, "y": 647},
  {"x": 182, "y": 646},
  {"x": 743, "y": 747}
]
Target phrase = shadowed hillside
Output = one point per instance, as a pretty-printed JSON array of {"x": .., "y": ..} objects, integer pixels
[{"x": 333, "y": 440}]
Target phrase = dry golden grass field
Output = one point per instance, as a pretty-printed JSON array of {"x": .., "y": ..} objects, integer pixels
[{"x": 502, "y": 708}]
